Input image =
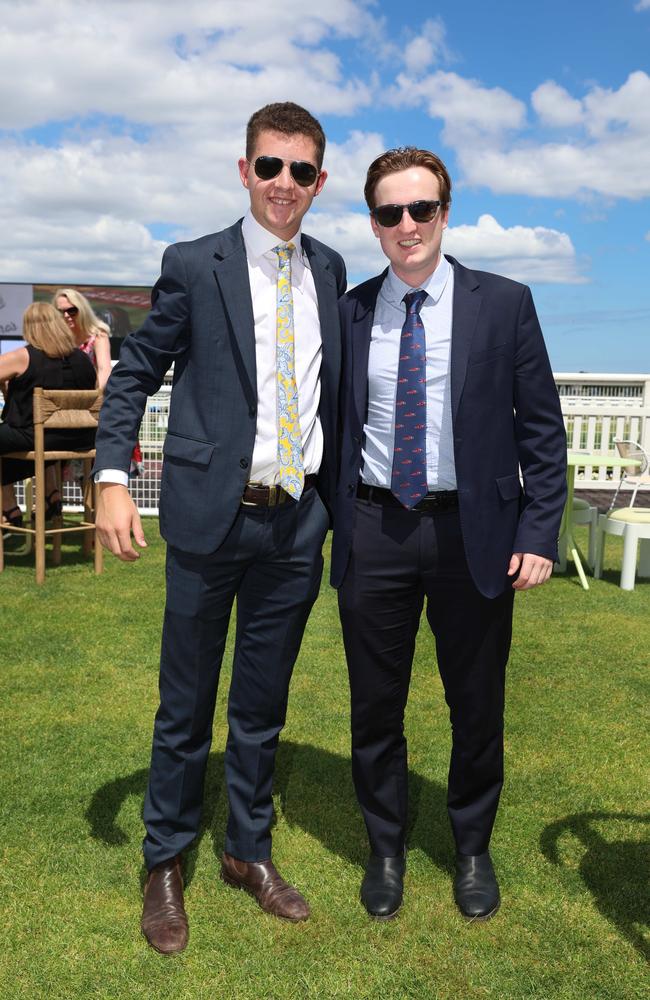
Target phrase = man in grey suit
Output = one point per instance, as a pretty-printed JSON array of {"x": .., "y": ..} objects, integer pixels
[{"x": 248, "y": 317}]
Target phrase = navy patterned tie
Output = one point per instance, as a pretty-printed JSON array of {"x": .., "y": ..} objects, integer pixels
[{"x": 409, "y": 480}]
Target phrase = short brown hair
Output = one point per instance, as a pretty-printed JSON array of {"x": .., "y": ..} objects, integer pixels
[
  {"x": 394, "y": 160},
  {"x": 44, "y": 329},
  {"x": 288, "y": 119}
]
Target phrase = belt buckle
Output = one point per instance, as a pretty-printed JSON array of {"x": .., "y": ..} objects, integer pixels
[
  {"x": 275, "y": 496},
  {"x": 250, "y": 503}
]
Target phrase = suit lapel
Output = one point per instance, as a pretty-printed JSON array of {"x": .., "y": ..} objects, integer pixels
[
  {"x": 466, "y": 308},
  {"x": 231, "y": 274},
  {"x": 360, "y": 344}
]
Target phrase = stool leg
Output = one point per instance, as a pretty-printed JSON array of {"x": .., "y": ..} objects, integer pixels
[
  {"x": 40, "y": 530},
  {"x": 630, "y": 541},
  {"x": 600, "y": 548},
  {"x": 593, "y": 532},
  {"x": 87, "y": 491},
  {"x": 58, "y": 521},
  {"x": 644, "y": 557}
]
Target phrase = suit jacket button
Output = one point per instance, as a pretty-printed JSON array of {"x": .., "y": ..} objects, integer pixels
[
  {"x": 243, "y": 463},
  {"x": 251, "y": 412}
]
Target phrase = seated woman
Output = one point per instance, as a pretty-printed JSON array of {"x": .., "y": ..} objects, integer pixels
[{"x": 51, "y": 361}]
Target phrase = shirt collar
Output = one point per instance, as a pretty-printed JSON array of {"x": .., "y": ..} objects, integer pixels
[
  {"x": 259, "y": 241},
  {"x": 395, "y": 289}
]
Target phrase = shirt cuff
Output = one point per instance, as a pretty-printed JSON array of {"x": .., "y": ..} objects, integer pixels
[{"x": 112, "y": 476}]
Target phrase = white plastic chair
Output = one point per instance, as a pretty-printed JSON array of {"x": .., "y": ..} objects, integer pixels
[
  {"x": 634, "y": 526},
  {"x": 636, "y": 476}
]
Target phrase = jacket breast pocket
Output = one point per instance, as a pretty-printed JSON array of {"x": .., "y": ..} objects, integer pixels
[{"x": 185, "y": 449}]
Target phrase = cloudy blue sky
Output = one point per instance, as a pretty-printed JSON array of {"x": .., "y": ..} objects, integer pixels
[{"x": 121, "y": 122}]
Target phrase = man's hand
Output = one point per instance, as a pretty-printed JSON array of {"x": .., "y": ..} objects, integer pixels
[
  {"x": 533, "y": 570},
  {"x": 117, "y": 517}
]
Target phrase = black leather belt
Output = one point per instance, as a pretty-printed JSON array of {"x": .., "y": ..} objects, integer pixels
[
  {"x": 258, "y": 495},
  {"x": 439, "y": 501}
]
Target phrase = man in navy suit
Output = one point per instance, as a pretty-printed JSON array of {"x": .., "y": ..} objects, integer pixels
[
  {"x": 447, "y": 394},
  {"x": 249, "y": 318}
]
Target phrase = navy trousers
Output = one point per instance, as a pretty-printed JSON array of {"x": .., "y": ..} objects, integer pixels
[
  {"x": 271, "y": 561},
  {"x": 398, "y": 558}
]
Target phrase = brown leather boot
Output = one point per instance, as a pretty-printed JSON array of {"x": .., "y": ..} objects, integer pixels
[
  {"x": 164, "y": 921},
  {"x": 263, "y": 881}
]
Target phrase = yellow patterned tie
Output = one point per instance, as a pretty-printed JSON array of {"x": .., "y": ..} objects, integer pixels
[{"x": 292, "y": 472}]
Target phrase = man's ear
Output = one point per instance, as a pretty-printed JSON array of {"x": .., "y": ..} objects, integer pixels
[{"x": 244, "y": 167}]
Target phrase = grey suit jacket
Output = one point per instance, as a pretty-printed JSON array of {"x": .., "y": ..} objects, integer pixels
[{"x": 202, "y": 321}]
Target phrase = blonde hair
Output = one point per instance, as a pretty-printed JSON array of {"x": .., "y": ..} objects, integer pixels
[
  {"x": 45, "y": 329},
  {"x": 87, "y": 321}
]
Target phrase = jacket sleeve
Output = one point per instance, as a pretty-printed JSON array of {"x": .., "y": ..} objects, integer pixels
[
  {"x": 145, "y": 357},
  {"x": 541, "y": 439}
]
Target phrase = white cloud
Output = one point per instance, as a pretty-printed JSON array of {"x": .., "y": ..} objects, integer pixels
[
  {"x": 608, "y": 153},
  {"x": 347, "y": 164},
  {"x": 427, "y": 47},
  {"x": 165, "y": 63},
  {"x": 466, "y": 107},
  {"x": 555, "y": 106},
  {"x": 155, "y": 121},
  {"x": 526, "y": 254},
  {"x": 642, "y": 5},
  {"x": 108, "y": 250}
]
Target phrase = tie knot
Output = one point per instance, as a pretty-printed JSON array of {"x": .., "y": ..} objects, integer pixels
[
  {"x": 414, "y": 300},
  {"x": 284, "y": 251}
]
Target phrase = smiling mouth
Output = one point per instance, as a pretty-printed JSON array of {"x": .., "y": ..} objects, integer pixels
[
  {"x": 409, "y": 243},
  {"x": 280, "y": 201}
]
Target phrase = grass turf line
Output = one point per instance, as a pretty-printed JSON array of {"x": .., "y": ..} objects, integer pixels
[{"x": 78, "y": 669}]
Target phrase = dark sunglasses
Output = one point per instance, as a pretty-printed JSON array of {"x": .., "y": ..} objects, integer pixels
[
  {"x": 268, "y": 167},
  {"x": 391, "y": 215},
  {"x": 70, "y": 311}
]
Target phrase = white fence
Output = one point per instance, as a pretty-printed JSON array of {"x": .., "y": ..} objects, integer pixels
[{"x": 597, "y": 409}]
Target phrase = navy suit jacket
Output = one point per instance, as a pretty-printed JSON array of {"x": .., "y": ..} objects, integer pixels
[
  {"x": 505, "y": 413},
  {"x": 202, "y": 321}
]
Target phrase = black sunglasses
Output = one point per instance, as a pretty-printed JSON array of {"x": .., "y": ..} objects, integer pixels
[
  {"x": 70, "y": 311},
  {"x": 268, "y": 167},
  {"x": 391, "y": 215}
]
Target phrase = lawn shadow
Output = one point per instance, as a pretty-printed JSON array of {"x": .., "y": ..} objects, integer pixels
[
  {"x": 314, "y": 792},
  {"x": 104, "y": 809},
  {"x": 614, "y": 871}
]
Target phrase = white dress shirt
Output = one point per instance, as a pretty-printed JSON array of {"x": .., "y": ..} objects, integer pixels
[
  {"x": 263, "y": 275},
  {"x": 263, "y": 266},
  {"x": 383, "y": 361}
]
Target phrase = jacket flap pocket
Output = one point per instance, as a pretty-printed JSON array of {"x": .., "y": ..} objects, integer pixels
[
  {"x": 489, "y": 354},
  {"x": 509, "y": 487},
  {"x": 188, "y": 449}
]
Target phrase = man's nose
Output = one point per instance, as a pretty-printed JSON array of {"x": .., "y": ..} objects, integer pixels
[
  {"x": 284, "y": 178},
  {"x": 406, "y": 224}
]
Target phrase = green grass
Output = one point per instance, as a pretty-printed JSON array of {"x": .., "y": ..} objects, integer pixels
[{"x": 78, "y": 668}]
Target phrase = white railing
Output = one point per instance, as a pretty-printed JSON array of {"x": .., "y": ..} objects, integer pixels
[{"x": 593, "y": 419}]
